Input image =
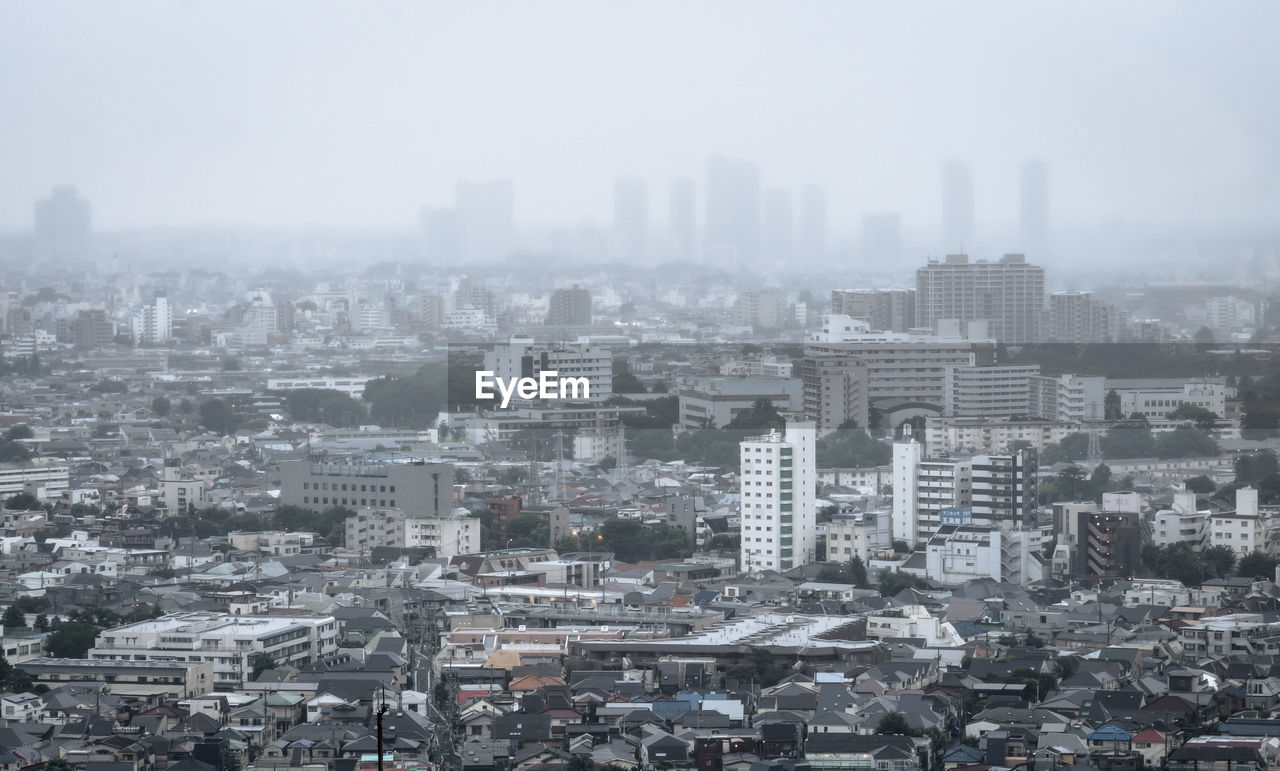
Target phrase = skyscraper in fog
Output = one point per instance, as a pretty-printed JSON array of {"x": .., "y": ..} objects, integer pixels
[
  {"x": 813, "y": 223},
  {"x": 153, "y": 323},
  {"x": 881, "y": 237},
  {"x": 631, "y": 218},
  {"x": 957, "y": 207},
  {"x": 779, "y": 228},
  {"x": 1033, "y": 212},
  {"x": 484, "y": 220},
  {"x": 684, "y": 219},
  {"x": 62, "y": 224},
  {"x": 439, "y": 228},
  {"x": 733, "y": 212}
]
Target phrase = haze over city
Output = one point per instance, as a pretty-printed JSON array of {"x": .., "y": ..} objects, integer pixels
[{"x": 326, "y": 115}]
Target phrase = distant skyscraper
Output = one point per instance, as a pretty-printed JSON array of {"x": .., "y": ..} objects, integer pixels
[
  {"x": 684, "y": 220},
  {"x": 62, "y": 224},
  {"x": 570, "y": 307},
  {"x": 957, "y": 207},
  {"x": 439, "y": 235},
  {"x": 733, "y": 212},
  {"x": 485, "y": 215},
  {"x": 881, "y": 237},
  {"x": 779, "y": 227},
  {"x": 631, "y": 218},
  {"x": 1033, "y": 214},
  {"x": 813, "y": 223}
]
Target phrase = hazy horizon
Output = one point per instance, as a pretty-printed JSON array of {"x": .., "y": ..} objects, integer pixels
[{"x": 321, "y": 114}]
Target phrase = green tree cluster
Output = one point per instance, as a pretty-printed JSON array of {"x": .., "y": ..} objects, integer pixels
[
  {"x": 1181, "y": 562},
  {"x": 324, "y": 405},
  {"x": 852, "y": 448},
  {"x": 853, "y": 572},
  {"x": 894, "y": 581}
]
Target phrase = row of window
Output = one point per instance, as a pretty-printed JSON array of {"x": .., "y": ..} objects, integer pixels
[
  {"x": 344, "y": 501},
  {"x": 365, "y": 488}
]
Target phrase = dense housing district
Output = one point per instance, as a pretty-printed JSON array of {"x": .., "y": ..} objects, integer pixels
[{"x": 265, "y": 527}]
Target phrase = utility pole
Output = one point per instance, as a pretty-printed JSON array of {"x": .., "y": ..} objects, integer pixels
[{"x": 382, "y": 710}]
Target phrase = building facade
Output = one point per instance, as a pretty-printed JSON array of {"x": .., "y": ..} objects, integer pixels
[{"x": 779, "y": 518}]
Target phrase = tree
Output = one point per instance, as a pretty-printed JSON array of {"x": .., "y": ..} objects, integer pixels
[
  {"x": 762, "y": 416},
  {"x": 1257, "y": 565},
  {"x": 217, "y": 416},
  {"x": 1073, "y": 447},
  {"x": 581, "y": 763},
  {"x": 1251, "y": 469},
  {"x": 852, "y": 448},
  {"x": 14, "y": 618},
  {"x": 261, "y": 663},
  {"x": 624, "y": 381},
  {"x": 20, "y": 431},
  {"x": 22, "y": 502},
  {"x": 894, "y": 581},
  {"x": 71, "y": 640},
  {"x": 1201, "y": 485},
  {"x": 1218, "y": 560},
  {"x": 13, "y": 452},
  {"x": 161, "y": 407},
  {"x": 1204, "y": 419},
  {"x": 1185, "y": 442},
  {"x": 1111, "y": 406},
  {"x": 1129, "y": 441},
  {"x": 894, "y": 723},
  {"x": 231, "y": 364},
  {"x": 324, "y": 405},
  {"x": 858, "y": 572},
  {"x": 1204, "y": 336}
]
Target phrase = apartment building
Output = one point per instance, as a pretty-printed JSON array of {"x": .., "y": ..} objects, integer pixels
[
  {"x": 1009, "y": 295},
  {"x": 713, "y": 402},
  {"x": 835, "y": 392},
  {"x": 778, "y": 481},
  {"x": 231, "y": 643},
  {"x": 522, "y": 357}
]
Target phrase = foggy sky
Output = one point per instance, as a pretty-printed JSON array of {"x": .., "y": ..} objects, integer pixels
[{"x": 352, "y": 114}]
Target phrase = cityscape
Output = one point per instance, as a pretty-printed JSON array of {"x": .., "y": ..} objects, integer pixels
[{"x": 703, "y": 459}]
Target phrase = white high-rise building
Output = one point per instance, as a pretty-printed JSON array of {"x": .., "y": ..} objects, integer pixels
[
  {"x": 779, "y": 518},
  {"x": 153, "y": 323},
  {"x": 522, "y": 357}
]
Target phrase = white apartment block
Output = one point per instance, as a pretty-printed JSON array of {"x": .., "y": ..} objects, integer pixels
[
  {"x": 230, "y": 643},
  {"x": 1068, "y": 398},
  {"x": 848, "y": 537},
  {"x": 274, "y": 543},
  {"x": 1244, "y": 530},
  {"x": 995, "y": 391},
  {"x": 778, "y": 480},
  {"x": 522, "y": 357},
  {"x": 1183, "y": 523},
  {"x": 922, "y": 489},
  {"x": 449, "y": 535},
  {"x": 153, "y": 323},
  {"x": 44, "y": 482},
  {"x": 945, "y": 435}
]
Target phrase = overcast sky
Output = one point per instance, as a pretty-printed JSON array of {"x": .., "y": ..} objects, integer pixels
[{"x": 357, "y": 113}]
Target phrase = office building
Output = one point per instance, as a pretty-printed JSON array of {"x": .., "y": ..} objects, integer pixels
[
  {"x": 883, "y": 310},
  {"x": 484, "y": 221},
  {"x": 1155, "y": 398},
  {"x": 835, "y": 392},
  {"x": 713, "y": 402},
  {"x": 631, "y": 219},
  {"x": 957, "y": 206},
  {"x": 521, "y": 357},
  {"x": 62, "y": 224},
  {"x": 906, "y": 373},
  {"x": 1033, "y": 209},
  {"x": 779, "y": 522},
  {"x": 418, "y": 488},
  {"x": 569, "y": 307},
  {"x": 732, "y": 227},
  {"x": 153, "y": 322},
  {"x": 231, "y": 643},
  {"x": 1008, "y": 295}
]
